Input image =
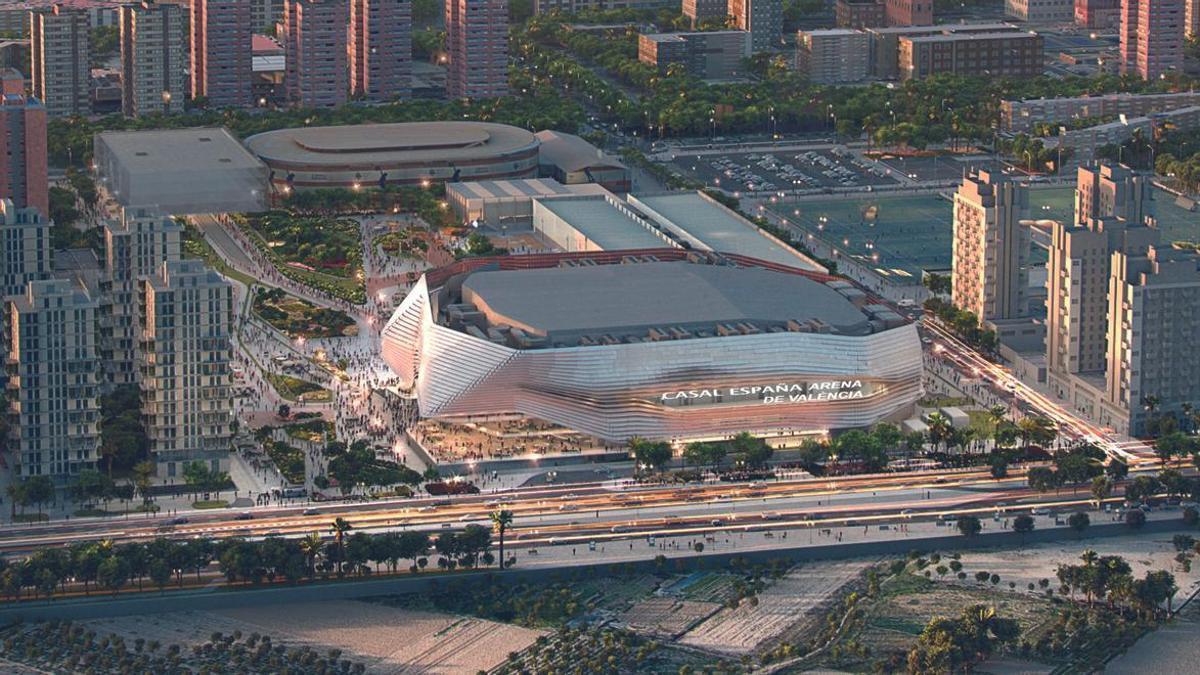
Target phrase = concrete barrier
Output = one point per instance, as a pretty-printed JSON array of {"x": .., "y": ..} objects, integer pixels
[{"x": 219, "y": 598}]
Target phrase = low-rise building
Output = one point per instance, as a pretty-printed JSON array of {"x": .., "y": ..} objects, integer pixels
[
  {"x": 1021, "y": 116},
  {"x": 859, "y": 14},
  {"x": 1097, "y": 14},
  {"x": 570, "y": 160},
  {"x": 709, "y": 55},
  {"x": 508, "y": 203},
  {"x": 588, "y": 223},
  {"x": 833, "y": 56},
  {"x": 1007, "y": 54},
  {"x": 885, "y": 42},
  {"x": 1040, "y": 11}
]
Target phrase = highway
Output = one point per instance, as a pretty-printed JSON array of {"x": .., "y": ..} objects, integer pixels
[{"x": 593, "y": 512}]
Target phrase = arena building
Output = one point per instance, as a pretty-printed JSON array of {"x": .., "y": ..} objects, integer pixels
[
  {"x": 369, "y": 155},
  {"x": 660, "y": 343}
]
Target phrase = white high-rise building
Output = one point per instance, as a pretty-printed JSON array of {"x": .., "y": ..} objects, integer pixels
[
  {"x": 186, "y": 324},
  {"x": 136, "y": 246},
  {"x": 24, "y": 247},
  {"x": 991, "y": 247},
  {"x": 53, "y": 371}
]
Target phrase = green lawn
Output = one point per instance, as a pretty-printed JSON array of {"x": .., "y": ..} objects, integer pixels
[
  {"x": 210, "y": 504},
  {"x": 293, "y": 388}
]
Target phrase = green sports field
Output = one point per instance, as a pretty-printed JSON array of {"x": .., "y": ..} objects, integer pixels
[{"x": 913, "y": 233}]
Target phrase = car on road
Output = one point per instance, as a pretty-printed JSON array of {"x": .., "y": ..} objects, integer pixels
[
  {"x": 770, "y": 515},
  {"x": 310, "y": 512},
  {"x": 244, "y": 515},
  {"x": 179, "y": 521}
]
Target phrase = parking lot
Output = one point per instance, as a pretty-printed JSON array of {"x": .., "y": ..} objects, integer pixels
[
  {"x": 784, "y": 171},
  {"x": 940, "y": 169}
]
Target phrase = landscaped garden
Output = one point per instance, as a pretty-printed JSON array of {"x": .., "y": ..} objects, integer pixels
[
  {"x": 297, "y": 317},
  {"x": 321, "y": 252},
  {"x": 287, "y": 458},
  {"x": 408, "y": 244},
  {"x": 296, "y": 389}
]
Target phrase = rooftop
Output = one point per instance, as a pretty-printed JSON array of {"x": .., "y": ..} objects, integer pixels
[
  {"x": 607, "y": 223},
  {"x": 163, "y": 150},
  {"x": 571, "y": 153},
  {"x": 404, "y": 141},
  {"x": 565, "y": 304},
  {"x": 718, "y": 228},
  {"x": 946, "y": 28},
  {"x": 966, "y": 37},
  {"x": 521, "y": 188}
]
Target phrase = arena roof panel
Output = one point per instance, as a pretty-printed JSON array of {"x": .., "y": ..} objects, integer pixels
[
  {"x": 389, "y": 143},
  {"x": 628, "y": 299}
]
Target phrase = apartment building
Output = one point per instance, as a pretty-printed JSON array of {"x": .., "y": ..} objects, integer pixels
[
  {"x": 833, "y": 56},
  {"x": 154, "y": 58},
  {"x": 991, "y": 246},
  {"x": 1022, "y": 115},
  {"x": 53, "y": 379},
  {"x": 60, "y": 60},
  {"x": 23, "y": 178},
  {"x": 380, "y": 49},
  {"x": 477, "y": 42},
  {"x": 885, "y": 42},
  {"x": 1098, "y": 14},
  {"x": 221, "y": 52},
  {"x": 763, "y": 19},
  {"x": 136, "y": 245},
  {"x": 1151, "y": 37},
  {"x": 1113, "y": 191},
  {"x": 709, "y": 55},
  {"x": 908, "y": 12},
  {"x": 1191, "y": 18},
  {"x": 186, "y": 314},
  {"x": 859, "y": 14},
  {"x": 264, "y": 14},
  {"x": 1041, "y": 11},
  {"x": 698, "y": 11},
  {"x": 24, "y": 247},
  {"x": 314, "y": 44},
  {"x": 1005, "y": 54},
  {"x": 1153, "y": 321}
]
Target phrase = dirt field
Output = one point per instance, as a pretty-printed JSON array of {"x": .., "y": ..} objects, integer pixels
[
  {"x": 780, "y": 605},
  {"x": 387, "y": 639},
  {"x": 1027, "y": 565},
  {"x": 666, "y": 617}
]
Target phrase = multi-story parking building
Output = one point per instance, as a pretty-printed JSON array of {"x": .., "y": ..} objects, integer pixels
[{"x": 1022, "y": 115}]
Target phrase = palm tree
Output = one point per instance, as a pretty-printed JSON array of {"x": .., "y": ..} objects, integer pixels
[
  {"x": 501, "y": 520},
  {"x": 339, "y": 528},
  {"x": 939, "y": 428},
  {"x": 311, "y": 547}
]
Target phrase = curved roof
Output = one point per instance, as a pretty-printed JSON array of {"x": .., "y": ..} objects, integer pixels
[
  {"x": 562, "y": 302},
  {"x": 405, "y": 142}
]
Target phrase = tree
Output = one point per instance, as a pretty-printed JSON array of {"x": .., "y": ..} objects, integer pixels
[
  {"x": 113, "y": 573},
  {"x": 39, "y": 490},
  {"x": 1042, "y": 479},
  {"x": 1023, "y": 525},
  {"x": 1079, "y": 521},
  {"x": 1102, "y": 487},
  {"x": 1117, "y": 470},
  {"x": 1135, "y": 518},
  {"x": 339, "y": 528},
  {"x": 969, "y": 526},
  {"x": 649, "y": 454},
  {"x": 143, "y": 473},
  {"x": 940, "y": 428},
  {"x": 501, "y": 520}
]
